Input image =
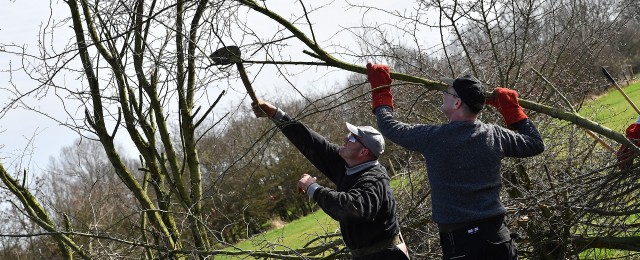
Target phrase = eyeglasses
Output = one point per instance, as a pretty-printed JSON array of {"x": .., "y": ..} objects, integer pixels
[
  {"x": 447, "y": 92},
  {"x": 352, "y": 139}
]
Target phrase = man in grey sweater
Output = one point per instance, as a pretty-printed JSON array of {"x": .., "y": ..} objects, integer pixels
[{"x": 463, "y": 159}]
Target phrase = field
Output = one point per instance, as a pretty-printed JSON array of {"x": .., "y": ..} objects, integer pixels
[
  {"x": 292, "y": 235},
  {"x": 612, "y": 109}
]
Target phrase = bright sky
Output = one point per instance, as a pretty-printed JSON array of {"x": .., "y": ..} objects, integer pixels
[{"x": 28, "y": 140}]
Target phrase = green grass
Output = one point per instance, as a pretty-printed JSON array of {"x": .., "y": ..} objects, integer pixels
[
  {"x": 612, "y": 109},
  {"x": 296, "y": 234},
  {"x": 293, "y": 235}
]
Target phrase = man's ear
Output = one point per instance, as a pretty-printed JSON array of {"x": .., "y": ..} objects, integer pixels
[
  {"x": 458, "y": 103},
  {"x": 364, "y": 151}
]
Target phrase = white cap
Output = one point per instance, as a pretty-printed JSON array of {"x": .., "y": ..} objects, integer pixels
[{"x": 370, "y": 138}]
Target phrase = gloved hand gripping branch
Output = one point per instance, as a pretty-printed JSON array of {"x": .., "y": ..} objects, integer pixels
[
  {"x": 506, "y": 101},
  {"x": 379, "y": 76}
]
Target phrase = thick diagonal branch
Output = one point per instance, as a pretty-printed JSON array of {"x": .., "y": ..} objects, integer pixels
[{"x": 320, "y": 54}]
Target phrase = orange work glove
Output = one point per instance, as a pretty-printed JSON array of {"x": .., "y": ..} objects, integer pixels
[
  {"x": 506, "y": 101},
  {"x": 625, "y": 155},
  {"x": 379, "y": 75}
]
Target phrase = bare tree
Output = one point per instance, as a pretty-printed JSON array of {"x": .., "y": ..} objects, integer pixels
[
  {"x": 140, "y": 70},
  {"x": 143, "y": 74}
]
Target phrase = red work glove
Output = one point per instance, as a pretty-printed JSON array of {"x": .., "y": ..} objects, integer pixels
[
  {"x": 625, "y": 155},
  {"x": 379, "y": 75},
  {"x": 506, "y": 101}
]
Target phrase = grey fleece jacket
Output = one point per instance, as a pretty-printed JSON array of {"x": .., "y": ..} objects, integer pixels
[{"x": 463, "y": 161}]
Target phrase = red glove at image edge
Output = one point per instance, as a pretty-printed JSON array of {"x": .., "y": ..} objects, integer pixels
[{"x": 626, "y": 155}]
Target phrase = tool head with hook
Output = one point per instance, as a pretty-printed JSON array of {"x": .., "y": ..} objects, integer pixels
[{"x": 226, "y": 55}]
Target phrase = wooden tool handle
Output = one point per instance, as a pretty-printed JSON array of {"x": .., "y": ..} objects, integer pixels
[
  {"x": 246, "y": 82},
  {"x": 615, "y": 84}
]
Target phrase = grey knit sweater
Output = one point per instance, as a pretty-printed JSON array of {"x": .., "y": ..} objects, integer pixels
[{"x": 463, "y": 161}]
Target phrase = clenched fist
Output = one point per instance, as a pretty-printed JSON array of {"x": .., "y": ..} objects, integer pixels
[
  {"x": 263, "y": 109},
  {"x": 305, "y": 182}
]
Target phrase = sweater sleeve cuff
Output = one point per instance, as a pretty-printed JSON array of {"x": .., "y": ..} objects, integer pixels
[
  {"x": 385, "y": 107},
  {"x": 519, "y": 124},
  {"x": 312, "y": 189},
  {"x": 279, "y": 115}
]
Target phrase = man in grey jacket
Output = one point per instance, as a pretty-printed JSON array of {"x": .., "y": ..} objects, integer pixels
[
  {"x": 463, "y": 159},
  {"x": 363, "y": 202}
]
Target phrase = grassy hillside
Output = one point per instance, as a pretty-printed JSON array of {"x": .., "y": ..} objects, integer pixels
[
  {"x": 293, "y": 235},
  {"x": 612, "y": 110}
]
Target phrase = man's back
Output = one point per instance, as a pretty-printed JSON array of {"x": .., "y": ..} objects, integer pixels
[{"x": 463, "y": 161}]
